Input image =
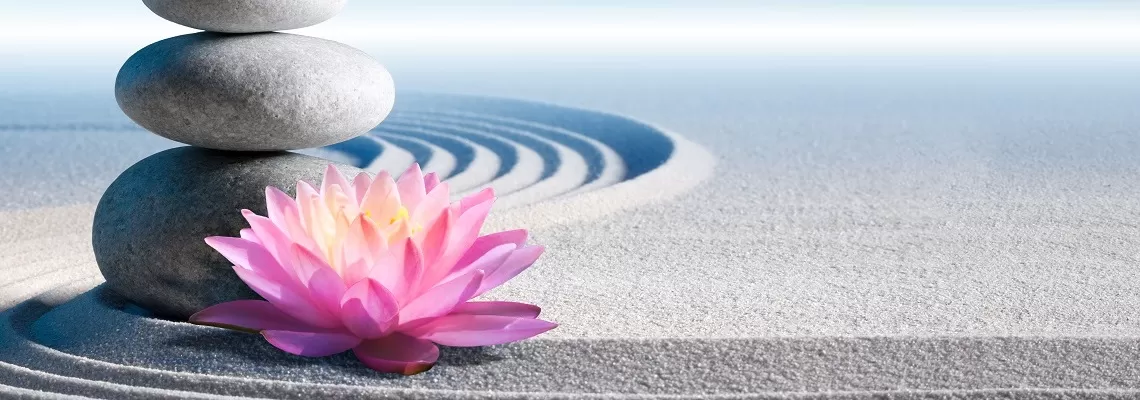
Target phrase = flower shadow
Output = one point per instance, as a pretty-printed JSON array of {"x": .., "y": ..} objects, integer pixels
[{"x": 230, "y": 352}]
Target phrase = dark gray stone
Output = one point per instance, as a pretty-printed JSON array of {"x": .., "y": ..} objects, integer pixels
[
  {"x": 246, "y": 16},
  {"x": 151, "y": 223},
  {"x": 256, "y": 92}
]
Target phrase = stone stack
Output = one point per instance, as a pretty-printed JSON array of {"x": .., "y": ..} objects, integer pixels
[{"x": 240, "y": 95}]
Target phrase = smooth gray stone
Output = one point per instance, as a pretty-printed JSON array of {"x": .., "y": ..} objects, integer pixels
[
  {"x": 151, "y": 223},
  {"x": 246, "y": 16},
  {"x": 255, "y": 92}
]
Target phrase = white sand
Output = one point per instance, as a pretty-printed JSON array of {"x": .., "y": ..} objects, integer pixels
[{"x": 850, "y": 244}]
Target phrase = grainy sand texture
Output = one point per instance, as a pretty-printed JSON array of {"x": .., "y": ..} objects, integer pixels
[{"x": 727, "y": 236}]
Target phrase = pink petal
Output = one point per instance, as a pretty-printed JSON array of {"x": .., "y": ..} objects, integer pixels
[
  {"x": 398, "y": 353},
  {"x": 325, "y": 286},
  {"x": 400, "y": 270},
  {"x": 431, "y": 181},
  {"x": 369, "y": 310},
  {"x": 433, "y": 246},
  {"x": 442, "y": 298},
  {"x": 339, "y": 206},
  {"x": 382, "y": 199},
  {"x": 363, "y": 245},
  {"x": 500, "y": 308},
  {"x": 248, "y": 234},
  {"x": 284, "y": 213},
  {"x": 411, "y": 186},
  {"x": 311, "y": 344},
  {"x": 487, "y": 263},
  {"x": 334, "y": 177},
  {"x": 481, "y": 197},
  {"x": 518, "y": 262},
  {"x": 462, "y": 235},
  {"x": 288, "y": 299},
  {"x": 432, "y": 207},
  {"x": 483, "y": 244},
  {"x": 274, "y": 240},
  {"x": 469, "y": 223},
  {"x": 249, "y": 255},
  {"x": 236, "y": 250},
  {"x": 481, "y": 330},
  {"x": 308, "y": 200},
  {"x": 247, "y": 315},
  {"x": 360, "y": 185}
]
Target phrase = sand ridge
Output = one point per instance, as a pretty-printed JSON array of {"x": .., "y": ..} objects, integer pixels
[{"x": 528, "y": 164}]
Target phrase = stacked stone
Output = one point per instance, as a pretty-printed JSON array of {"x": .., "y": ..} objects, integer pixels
[{"x": 240, "y": 95}]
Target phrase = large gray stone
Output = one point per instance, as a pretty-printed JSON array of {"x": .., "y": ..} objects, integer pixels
[
  {"x": 150, "y": 224},
  {"x": 246, "y": 16},
  {"x": 256, "y": 92}
]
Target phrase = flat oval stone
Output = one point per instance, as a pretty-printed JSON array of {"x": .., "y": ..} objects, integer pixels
[
  {"x": 256, "y": 92},
  {"x": 151, "y": 223},
  {"x": 246, "y": 16}
]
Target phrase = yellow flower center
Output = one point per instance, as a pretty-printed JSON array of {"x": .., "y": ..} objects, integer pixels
[{"x": 401, "y": 215}]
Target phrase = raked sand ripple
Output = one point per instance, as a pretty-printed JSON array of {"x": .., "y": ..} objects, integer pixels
[
  {"x": 541, "y": 159},
  {"x": 62, "y": 335}
]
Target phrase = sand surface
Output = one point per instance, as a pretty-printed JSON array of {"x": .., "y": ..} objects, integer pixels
[{"x": 785, "y": 236}]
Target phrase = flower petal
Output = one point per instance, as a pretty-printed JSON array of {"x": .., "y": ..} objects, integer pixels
[
  {"x": 308, "y": 202},
  {"x": 333, "y": 177},
  {"x": 369, "y": 310},
  {"x": 481, "y": 197},
  {"x": 431, "y": 180},
  {"x": 382, "y": 202},
  {"x": 485, "y": 243},
  {"x": 284, "y": 213},
  {"x": 481, "y": 330},
  {"x": 398, "y": 353},
  {"x": 360, "y": 185},
  {"x": 249, "y": 255},
  {"x": 400, "y": 270},
  {"x": 518, "y": 262},
  {"x": 288, "y": 299},
  {"x": 324, "y": 285},
  {"x": 411, "y": 186},
  {"x": 433, "y": 204},
  {"x": 311, "y": 344},
  {"x": 362, "y": 246},
  {"x": 433, "y": 246},
  {"x": 248, "y": 234},
  {"x": 441, "y": 299},
  {"x": 500, "y": 308},
  {"x": 489, "y": 262},
  {"x": 469, "y": 223},
  {"x": 341, "y": 205},
  {"x": 272, "y": 238},
  {"x": 247, "y": 315}
]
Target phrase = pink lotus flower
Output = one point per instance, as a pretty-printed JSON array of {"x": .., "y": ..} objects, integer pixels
[{"x": 384, "y": 268}]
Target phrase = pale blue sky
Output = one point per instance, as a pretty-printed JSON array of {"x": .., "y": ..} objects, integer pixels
[{"x": 74, "y": 30}]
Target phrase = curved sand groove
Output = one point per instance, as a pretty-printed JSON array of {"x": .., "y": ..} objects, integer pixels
[
  {"x": 537, "y": 158},
  {"x": 89, "y": 346},
  {"x": 421, "y": 151},
  {"x": 440, "y": 161},
  {"x": 481, "y": 169},
  {"x": 173, "y": 359},
  {"x": 563, "y": 169},
  {"x": 393, "y": 158},
  {"x": 524, "y": 171},
  {"x": 10, "y": 392},
  {"x": 521, "y": 139},
  {"x": 461, "y": 150},
  {"x": 603, "y": 165},
  {"x": 504, "y": 150}
]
